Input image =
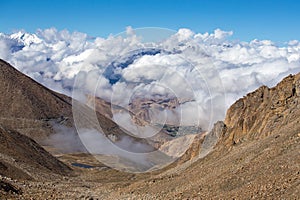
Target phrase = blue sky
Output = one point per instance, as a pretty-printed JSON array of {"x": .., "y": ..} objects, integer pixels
[{"x": 248, "y": 19}]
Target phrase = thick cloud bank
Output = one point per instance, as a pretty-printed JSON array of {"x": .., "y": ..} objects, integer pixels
[{"x": 196, "y": 68}]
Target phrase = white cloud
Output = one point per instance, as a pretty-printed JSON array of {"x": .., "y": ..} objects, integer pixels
[{"x": 192, "y": 66}]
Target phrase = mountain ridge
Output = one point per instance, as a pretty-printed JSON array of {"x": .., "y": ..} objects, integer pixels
[{"x": 275, "y": 107}]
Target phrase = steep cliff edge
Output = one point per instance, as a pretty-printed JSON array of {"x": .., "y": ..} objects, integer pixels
[{"x": 264, "y": 112}]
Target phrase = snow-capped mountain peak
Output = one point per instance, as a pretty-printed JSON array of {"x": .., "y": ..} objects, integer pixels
[{"x": 25, "y": 38}]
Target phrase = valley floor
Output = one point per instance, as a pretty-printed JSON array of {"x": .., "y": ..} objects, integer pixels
[{"x": 265, "y": 169}]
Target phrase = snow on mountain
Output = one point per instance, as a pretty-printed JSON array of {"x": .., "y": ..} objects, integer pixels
[{"x": 25, "y": 38}]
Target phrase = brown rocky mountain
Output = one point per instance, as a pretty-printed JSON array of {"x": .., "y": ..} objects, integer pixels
[
  {"x": 22, "y": 158},
  {"x": 33, "y": 110},
  {"x": 256, "y": 153},
  {"x": 25, "y": 98},
  {"x": 253, "y": 154},
  {"x": 27, "y": 106},
  {"x": 264, "y": 112}
]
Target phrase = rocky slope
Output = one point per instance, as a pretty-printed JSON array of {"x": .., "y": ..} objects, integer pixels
[
  {"x": 27, "y": 106},
  {"x": 22, "y": 158},
  {"x": 256, "y": 153}
]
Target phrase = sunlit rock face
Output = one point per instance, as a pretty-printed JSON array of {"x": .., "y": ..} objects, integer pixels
[{"x": 264, "y": 112}]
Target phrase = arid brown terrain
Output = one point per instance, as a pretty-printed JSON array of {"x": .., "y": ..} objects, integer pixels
[{"x": 253, "y": 154}]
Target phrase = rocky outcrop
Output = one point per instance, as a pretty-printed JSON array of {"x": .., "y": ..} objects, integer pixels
[
  {"x": 212, "y": 138},
  {"x": 264, "y": 112}
]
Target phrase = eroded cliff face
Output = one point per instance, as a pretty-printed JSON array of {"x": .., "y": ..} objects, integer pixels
[{"x": 264, "y": 112}]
